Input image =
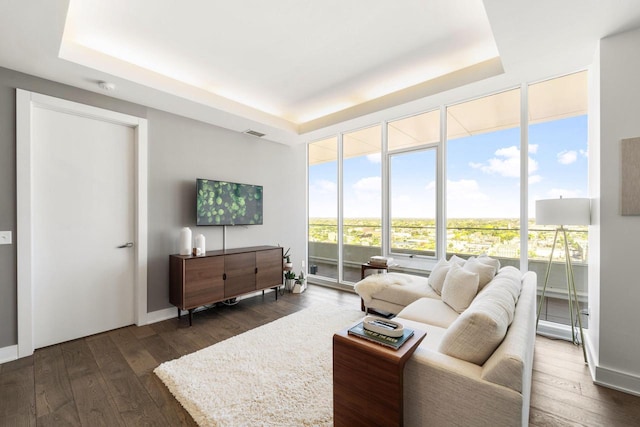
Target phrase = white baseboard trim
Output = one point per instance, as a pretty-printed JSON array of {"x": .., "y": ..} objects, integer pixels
[
  {"x": 554, "y": 330},
  {"x": 617, "y": 380},
  {"x": 8, "y": 354},
  {"x": 160, "y": 315},
  {"x": 605, "y": 377}
]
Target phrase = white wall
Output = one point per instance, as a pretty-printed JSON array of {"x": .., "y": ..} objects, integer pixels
[
  {"x": 593, "y": 333},
  {"x": 619, "y": 290}
]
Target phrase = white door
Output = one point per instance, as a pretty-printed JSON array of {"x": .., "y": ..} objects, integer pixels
[{"x": 83, "y": 208}]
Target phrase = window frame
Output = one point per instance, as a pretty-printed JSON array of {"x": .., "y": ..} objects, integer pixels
[{"x": 420, "y": 262}]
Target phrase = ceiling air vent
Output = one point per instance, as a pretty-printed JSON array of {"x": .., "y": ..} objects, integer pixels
[{"x": 254, "y": 133}]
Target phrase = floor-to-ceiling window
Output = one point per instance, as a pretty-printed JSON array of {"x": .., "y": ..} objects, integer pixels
[
  {"x": 361, "y": 199},
  {"x": 323, "y": 208},
  {"x": 483, "y": 177},
  {"x": 415, "y": 192},
  {"x": 559, "y": 146}
]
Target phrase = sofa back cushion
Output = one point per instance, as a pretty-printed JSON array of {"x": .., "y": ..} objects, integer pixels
[
  {"x": 459, "y": 288},
  {"x": 510, "y": 364},
  {"x": 480, "y": 329}
]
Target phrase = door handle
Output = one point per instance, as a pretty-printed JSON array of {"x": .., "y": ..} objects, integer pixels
[{"x": 126, "y": 245}]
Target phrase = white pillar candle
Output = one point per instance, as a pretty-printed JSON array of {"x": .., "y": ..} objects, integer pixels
[{"x": 185, "y": 241}]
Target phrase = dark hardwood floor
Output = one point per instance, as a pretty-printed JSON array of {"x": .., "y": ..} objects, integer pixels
[{"x": 107, "y": 379}]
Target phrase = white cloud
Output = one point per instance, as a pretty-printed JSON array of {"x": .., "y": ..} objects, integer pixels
[
  {"x": 430, "y": 186},
  {"x": 371, "y": 183},
  {"x": 509, "y": 167},
  {"x": 534, "y": 179},
  {"x": 567, "y": 157},
  {"x": 509, "y": 164},
  {"x": 533, "y": 148},
  {"x": 465, "y": 189},
  {"x": 508, "y": 152},
  {"x": 374, "y": 158},
  {"x": 584, "y": 153}
]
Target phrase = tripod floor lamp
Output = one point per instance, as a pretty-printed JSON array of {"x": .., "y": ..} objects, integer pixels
[{"x": 561, "y": 212}]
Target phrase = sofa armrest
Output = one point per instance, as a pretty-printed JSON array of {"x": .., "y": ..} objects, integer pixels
[{"x": 442, "y": 390}]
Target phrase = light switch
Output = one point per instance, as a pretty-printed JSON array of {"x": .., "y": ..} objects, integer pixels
[{"x": 5, "y": 237}]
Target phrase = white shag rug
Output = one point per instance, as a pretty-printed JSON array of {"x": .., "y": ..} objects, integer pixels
[{"x": 279, "y": 374}]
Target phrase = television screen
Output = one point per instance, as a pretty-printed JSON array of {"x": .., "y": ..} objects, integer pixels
[{"x": 228, "y": 203}]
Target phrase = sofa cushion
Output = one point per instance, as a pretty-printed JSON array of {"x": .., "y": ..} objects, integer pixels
[
  {"x": 500, "y": 296},
  {"x": 440, "y": 270},
  {"x": 459, "y": 288},
  {"x": 485, "y": 272},
  {"x": 397, "y": 288},
  {"x": 508, "y": 278},
  {"x": 491, "y": 261},
  {"x": 434, "y": 333},
  {"x": 479, "y": 330},
  {"x": 430, "y": 311},
  {"x": 508, "y": 364}
]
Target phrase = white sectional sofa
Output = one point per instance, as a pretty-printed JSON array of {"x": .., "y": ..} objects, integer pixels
[{"x": 474, "y": 367}]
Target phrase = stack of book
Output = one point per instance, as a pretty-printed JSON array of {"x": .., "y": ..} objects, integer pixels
[
  {"x": 378, "y": 338},
  {"x": 380, "y": 261}
]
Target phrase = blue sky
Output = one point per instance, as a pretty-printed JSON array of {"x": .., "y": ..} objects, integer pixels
[{"x": 482, "y": 175}]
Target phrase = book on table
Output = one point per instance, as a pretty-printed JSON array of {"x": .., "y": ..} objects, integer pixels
[
  {"x": 392, "y": 342},
  {"x": 380, "y": 261}
]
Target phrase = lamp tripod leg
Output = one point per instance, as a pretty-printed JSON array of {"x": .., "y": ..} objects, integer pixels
[
  {"x": 546, "y": 277},
  {"x": 573, "y": 295}
]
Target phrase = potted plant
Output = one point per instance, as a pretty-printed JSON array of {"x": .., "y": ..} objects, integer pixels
[
  {"x": 288, "y": 265},
  {"x": 300, "y": 284},
  {"x": 289, "y": 280}
]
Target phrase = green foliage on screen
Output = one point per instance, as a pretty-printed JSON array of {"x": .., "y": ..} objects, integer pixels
[{"x": 228, "y": 203}]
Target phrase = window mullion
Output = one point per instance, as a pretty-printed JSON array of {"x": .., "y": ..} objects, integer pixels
[
  {"x": 340, "y": 208},
  {"x": 386, "y": 201},
  {"x": 441, "y": 188},
  {"x": 524, "y": 178}
]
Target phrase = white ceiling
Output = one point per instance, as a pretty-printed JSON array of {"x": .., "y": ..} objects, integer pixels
[{"x": 284, "y": 67}]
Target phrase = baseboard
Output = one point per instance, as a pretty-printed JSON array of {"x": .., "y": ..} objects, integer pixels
[
  {"x": 160, "y": 315},
  {"x": 606, "y": 377},
  {"x": 617, "y": 380},
  {"x": 554, "y": 330},
  {"x": 8, "y": 354}
]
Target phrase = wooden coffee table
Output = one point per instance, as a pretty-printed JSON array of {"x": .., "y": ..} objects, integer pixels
[{"x": 367, "y": 380}]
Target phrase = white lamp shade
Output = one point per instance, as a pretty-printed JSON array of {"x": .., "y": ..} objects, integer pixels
[{"x": 563, "y": 211}]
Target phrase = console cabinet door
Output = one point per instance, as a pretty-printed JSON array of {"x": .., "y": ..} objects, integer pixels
[
  {"x": 240, "y": 270},
  {"x": 203, "y": 282},
  {"x": 269, "y": 264}
]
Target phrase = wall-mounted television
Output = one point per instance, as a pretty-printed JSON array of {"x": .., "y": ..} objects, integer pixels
[{"x": 227, "y": 203}]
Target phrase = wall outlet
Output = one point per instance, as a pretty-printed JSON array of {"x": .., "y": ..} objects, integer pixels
[{"x": 5, "y": 237}]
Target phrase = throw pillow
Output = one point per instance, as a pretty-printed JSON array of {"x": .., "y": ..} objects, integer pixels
[
  {"x": 459, "y": 288},
  {"x": 438, "y": 274},
  {"x": 456, "y": 259},
  {"x": 476, "y": 333},
  {"x": 491, "y": 261},
  {"x": 485, "y": 272}
]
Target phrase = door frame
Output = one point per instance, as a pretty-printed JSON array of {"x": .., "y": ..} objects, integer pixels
[{"x": 26, "y": 101}]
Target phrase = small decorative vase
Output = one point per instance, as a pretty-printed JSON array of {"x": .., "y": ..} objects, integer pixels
[
  {"x": 200, "y": 245},
  {"x": 185, "y": 241}
]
